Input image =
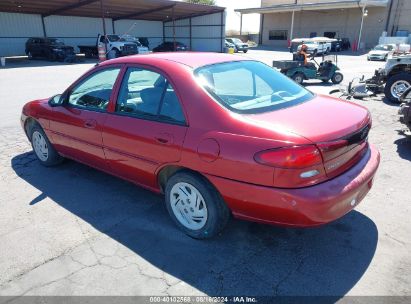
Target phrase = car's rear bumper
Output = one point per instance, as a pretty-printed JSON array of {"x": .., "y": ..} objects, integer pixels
[{"x": 310, "y": 206}]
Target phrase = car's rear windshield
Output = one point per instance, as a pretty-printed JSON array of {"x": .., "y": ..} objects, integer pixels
[{"x": 250, "y": 87}]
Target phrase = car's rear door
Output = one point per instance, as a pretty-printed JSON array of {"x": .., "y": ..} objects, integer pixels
[
  {"x": 77, "y": 125},
  {"x": 146, "y": 127}
]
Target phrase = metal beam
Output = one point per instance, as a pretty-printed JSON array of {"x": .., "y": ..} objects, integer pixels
[
  {"x": 195, "y": 15},
  {"x": 44, "y": 26},
  {"x": 68, "y": 7},
  {"x": 144, "y": 12}
]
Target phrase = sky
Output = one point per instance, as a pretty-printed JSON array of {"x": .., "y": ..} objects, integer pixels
[{"x": 251, "y": 22}]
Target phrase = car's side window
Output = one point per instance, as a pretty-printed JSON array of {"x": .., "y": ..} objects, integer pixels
[
  {"x": 94, "y": 92},
  {"x": 171, "y": 109},
  {"x": 145, "y": 93}
]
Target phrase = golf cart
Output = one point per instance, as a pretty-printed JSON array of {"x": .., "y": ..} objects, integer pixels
[{"x": 325, "y": 71}]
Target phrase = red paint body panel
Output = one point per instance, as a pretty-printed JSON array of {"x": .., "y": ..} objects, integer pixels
[
  {"x": 220, "y": 144},
  {"x": 309, "y": 206}
]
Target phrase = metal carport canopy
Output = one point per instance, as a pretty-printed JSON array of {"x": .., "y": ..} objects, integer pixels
[
  {"x": 155, "y": 10},
  {"x": 313, "y": 6}
]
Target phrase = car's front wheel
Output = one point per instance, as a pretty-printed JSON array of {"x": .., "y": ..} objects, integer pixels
[
  {"x": 42, "y": 147},
  {"x": 195, "y": 205}
]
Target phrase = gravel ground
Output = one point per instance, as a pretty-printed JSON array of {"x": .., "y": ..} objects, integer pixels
[{"x": 71, "y": 230}]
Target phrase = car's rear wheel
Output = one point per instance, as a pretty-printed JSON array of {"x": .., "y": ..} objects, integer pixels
[
  {"x": 337, "y": 78},
  {"x": 298, "y": 78},
  {"x": 396, "y": 86},
  {"x": 42, "y": 147},
  {"x": 195, "y": 205},
  {"x": 245, "y": 51}
]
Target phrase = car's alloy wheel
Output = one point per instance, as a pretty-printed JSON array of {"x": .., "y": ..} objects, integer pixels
[
  {"x": 40, "y": 146},
  {"x": 396, "y": 85},
  {"x": 399, "y": 87},
  {"x": 188, "y": 206},
  {"x": 195, "y": 205}
]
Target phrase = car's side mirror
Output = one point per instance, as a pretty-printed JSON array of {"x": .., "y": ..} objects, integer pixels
[
  {"x": 406, "y": 96},
  {"x": 56, "y": 100}
]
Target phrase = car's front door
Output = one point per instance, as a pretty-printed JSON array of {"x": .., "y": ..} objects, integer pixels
[
  {"x": 77, "y": 125},
  {"x": 146, "y": 129}
]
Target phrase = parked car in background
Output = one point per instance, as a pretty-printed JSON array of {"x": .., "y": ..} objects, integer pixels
[
  {"x": 141, "y": 49},
  {"x": 336, "y": 45},
  {"x": 170, "y": 46},
  {"x": 381, "y": 52},
  {"x": 50, "y": 48},
  {"x": 229, "y": 44},
  {"x": 239, "y": 45},
  {"x": 228, "y": 135},
  {"x": 114, "y": 44},
  {"x": 295, "y": 43},
  {"x": 345, "y": 44}
]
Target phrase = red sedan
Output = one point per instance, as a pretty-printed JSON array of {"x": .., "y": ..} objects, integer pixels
[{"x": 217, "y": 134}]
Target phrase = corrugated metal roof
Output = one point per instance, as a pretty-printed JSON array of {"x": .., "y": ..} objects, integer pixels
[
  {"x": 159, "y": 10},
  {"x": 326, "y": 5}
]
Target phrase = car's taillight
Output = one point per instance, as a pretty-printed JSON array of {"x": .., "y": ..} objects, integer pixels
[
  {"x": 296, "y": 157},
  {"x": 294, "y": 167},
  {"x": 333, "y": 149}
]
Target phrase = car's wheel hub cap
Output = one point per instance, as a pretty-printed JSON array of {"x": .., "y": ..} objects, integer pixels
[
  {"x": 40, "y": 146},
  {"x": 399, "y": 87},
  {"x": 188, "y": 206}
]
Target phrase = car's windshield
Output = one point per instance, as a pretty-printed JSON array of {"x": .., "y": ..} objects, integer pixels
[
  {"x": 250, "y": 87},
  {"x": 383, "y": 48},
  {"x": 113, "y": 38},
  {"x": 236, "y": 40},
  {"x": 54, "y": 41}
]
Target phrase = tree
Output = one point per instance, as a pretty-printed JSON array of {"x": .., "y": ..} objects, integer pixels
[{"x": 206, "y": 2}]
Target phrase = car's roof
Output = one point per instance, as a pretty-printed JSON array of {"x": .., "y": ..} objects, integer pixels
[{"x": 191, "y": 59}]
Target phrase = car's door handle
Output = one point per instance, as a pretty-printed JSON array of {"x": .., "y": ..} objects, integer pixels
[
  {"x": 164, "y": 138},
  {"x": 90, "y": 124}
]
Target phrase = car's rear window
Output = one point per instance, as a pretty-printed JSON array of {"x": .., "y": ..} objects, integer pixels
[{"x": 250, "y": 87}]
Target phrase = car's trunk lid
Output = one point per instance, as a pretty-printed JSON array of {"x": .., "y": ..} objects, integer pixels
[{"x": 339, "y": 129}]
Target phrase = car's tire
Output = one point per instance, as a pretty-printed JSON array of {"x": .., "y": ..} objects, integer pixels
[
  {"x": 298, "y": 78},
  {"x": 42, "y": 147},
  {"x": 245, "y": 51},
  {"x": 337, "y": 78},
  {"x": 117, "y": 53},
  {"x": 195, "y": 205},
  {"x": 396, "y": 85}
]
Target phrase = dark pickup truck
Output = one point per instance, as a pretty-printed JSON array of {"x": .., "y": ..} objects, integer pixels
[
  {"x": 50, "y": 48},
  {"x": 114, "y": 43}
]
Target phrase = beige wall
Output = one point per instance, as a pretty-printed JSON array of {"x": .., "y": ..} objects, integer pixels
[
  {"x": 345, "y": 22},
  {"x": 400, "y": 16}
]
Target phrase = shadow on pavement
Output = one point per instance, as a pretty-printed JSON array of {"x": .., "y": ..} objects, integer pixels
[
  {"x": 404, "y": 147},
  {"x": 247, "y": 259},
  {"x": 24, "y": 62}
]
